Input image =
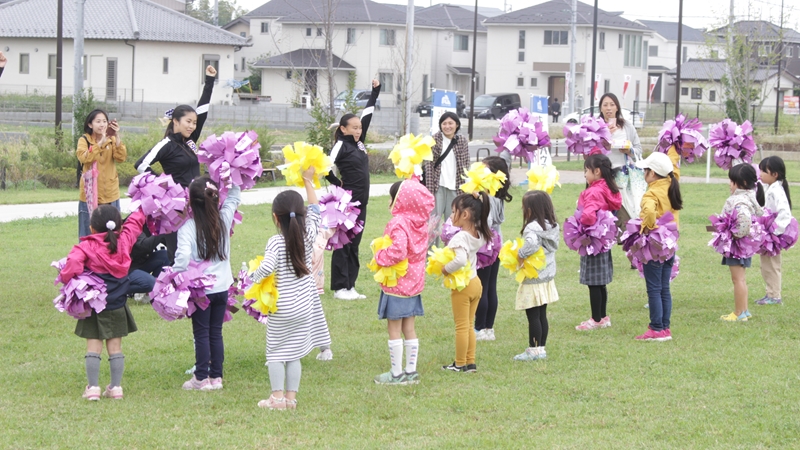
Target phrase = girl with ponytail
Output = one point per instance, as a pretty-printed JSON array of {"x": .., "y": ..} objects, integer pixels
[
  {"x": 106, "y": 253},
  {"x": 205, "y": 237},
  {"x": 470, "y": 212},
  {"x": 298, "y": 325},
  {"x": 778, "y": 200}
]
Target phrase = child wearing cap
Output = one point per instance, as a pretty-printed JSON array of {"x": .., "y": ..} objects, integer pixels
[{"x": 663, "y": 195}]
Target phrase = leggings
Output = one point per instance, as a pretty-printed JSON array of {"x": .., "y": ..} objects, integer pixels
[
  {"x": 487, "y": 308},
  {"x": 285, "y": 374},
  {"x": 598, "y": 297},
  {"x": 537, "y": 326}
]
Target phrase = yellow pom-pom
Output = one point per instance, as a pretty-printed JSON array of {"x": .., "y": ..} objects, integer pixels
[
  {"x": 265, "y": 292},
  {"x": 480, "y": 178},
  {"x": 438, "y": 258},
  {"x": 543, "y": 178},
  {"x": 408, "y": 154},
  {"x": 387, "y": 276},
  {"x": 299, "y": 158},
  {"x": 528, "y": 268}
]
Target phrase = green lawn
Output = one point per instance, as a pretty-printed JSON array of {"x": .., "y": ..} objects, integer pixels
[{"x": 716, "y": 385}]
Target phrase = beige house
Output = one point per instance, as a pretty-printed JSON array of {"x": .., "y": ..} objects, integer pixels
[{"x": 662, "y": 54}]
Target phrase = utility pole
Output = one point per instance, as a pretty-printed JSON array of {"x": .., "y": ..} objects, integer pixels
[
  {"x": 472, "y": 86},
  {"x": 780, "y": 60},
  {"x": 409, "y": 60},
  {"x": 594, "y": 58},
  {"x": 77, "y": 74},
  {"x": 680, "y": 59},
  {"x": 59, "y": 60},
  {"x": 573, "y": 43},
  {"x": 216, "y": 13}
]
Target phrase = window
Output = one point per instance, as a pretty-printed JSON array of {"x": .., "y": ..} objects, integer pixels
[
  {"x": 288, "y": 74},
  {"x": 684, "y": 91},
  {"x": 165, "y": 65},
  {"x": 243, "y": 33},
  {"x": 319, "y": 32},
  {"x": 534, "y": 82},
  {"x": 685, "y": 56},
  {"x": 243, "y": 65},
  {"x": 520, "y": 82},
  {"x": 24, "y": 63},
  {"x": 712, "y": 96},
  {"x": 308, "y": 31},
  {"x": 213, "y": 61},
  {"x": 606, "y": 86},
  {"x": 645, "y": 52},
  {"x": 789, "y": 51},
  {"x": 461, "y": 42},
  {"x": 619, "y": 45},
  {"x": 602, "y": 41},
  {"x": 264, "y": 27},
  {"x": 521, "y": 39},
  {"x": 521, "y": 57},
  {"x": 764, "y": 50},
  {"x": 351, "y": 36},
  {"x": 714, "y": 54},
  {"x": 51, "y": 66},
  {"x": 85, "y": 67},
  {"x": 697, "y": 93},
  {"x": 652, "y": 50},
  {"x": 387, "y": 37},
  {"x": 111, "y": 79},
  {"x": 556, "y": 37},
  {"x": 633, "y": 50},
  {"x": 386, "y": 81}
]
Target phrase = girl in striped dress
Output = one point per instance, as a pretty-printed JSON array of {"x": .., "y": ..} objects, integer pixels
[{"x": 298, "y": 326}]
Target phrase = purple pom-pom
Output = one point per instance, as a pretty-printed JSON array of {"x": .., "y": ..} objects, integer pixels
[
  {"x": 727, "y": 245},
  {"x": 240, "y": 284},
  {"x": 660, "y": 244},
  {"x": 774, "y": 243},
  {"x": 232, "y": 159},
  {"x": 521, "y": 133},
  {"x": 594, "y": 239},
  {"x": 733, "y": 143},
  {"x": 487, "y": 254},
  {"x": 178, "y": 294},
  {"x": 449, "y": 230},
  {"x": 582, "y": 138},
  {"x": 164, "y": 202},
  {"x": 81, "y": 294},
  {"x": 685, "y": 135},
  {"x": 337, "y": 210}
]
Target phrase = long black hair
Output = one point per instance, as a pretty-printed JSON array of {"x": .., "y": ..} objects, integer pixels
[
  {"x": 90, "y": 118},
  {"x": 210, "y": 234},
  {"x": 290, "y": 210},
  {"x": 744, "y": 177},
  {"x": 393, "y": 189},
  {"x": 537, "y": 206},
  {"x": 343, "y": 123},
  {"x": 498, "y": 164},
  {"x": 177, "y": 113},
  {"x": 674, "y": 191},
  {"x": 618, "y": 115},
  {"x": 774, "y": 164},
  {"x": 478, "y": 209},
  {"x": 106, "y": 219},
  {"x": 606, "y": 171}
]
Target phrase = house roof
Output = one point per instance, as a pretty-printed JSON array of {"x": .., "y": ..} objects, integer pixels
[
  {"x": 347, "y": 11},
  {"x": 236, "y": 21},
  {"x": 303, "y": 58},
  {"x": 132, "y": 19},
  {"x": 486, "y": 11},
  {"x": 715, "y": 69},
  {"x": 460, "y": 70},
  {"x": 760, "y": 30},
  {"x": 559, "y": 12},
  {"x": 669, "y": 30},
  {"x": 452, "y": 16}
]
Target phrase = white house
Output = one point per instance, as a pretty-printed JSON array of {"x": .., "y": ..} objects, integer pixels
[
  {"x": 529, "y": 53},
  {"x": 134, "y": 50},
  {"x": 662, "y": 54}
]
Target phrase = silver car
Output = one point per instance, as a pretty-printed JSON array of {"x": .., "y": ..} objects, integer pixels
[{"x": 361, "y": 97}]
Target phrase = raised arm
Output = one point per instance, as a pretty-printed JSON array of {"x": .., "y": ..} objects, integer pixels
[
  {"x": 366, "y": 114},
  {"x": 230, "y": 204},
  {"x": 202, "y": 105}
]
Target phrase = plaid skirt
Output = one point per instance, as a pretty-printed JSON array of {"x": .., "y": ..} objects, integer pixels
[{"x": 597, "y": 270}]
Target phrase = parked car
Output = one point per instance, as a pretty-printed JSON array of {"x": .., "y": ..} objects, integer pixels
[
  {"x": 361, "y": 97},
  {"x": 493, "y": 106},
  {"x": 637, "y": 118},
  {"x": 425, "y": 107}
]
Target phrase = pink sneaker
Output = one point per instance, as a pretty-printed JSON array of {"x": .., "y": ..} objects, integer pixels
[
  {"x": 605, "y": 322},
  {"x": 216, "y": 383},
  {"x": 92, "y": 393},
  {"x": 113, "y": 392},
  {"x": 589, "y": 325},
  {"x": 651, "y": 335},
  {"x": 194, "y": 385}
]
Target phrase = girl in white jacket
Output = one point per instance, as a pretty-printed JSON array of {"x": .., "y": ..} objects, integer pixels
[{"x": 773, "y": 175}]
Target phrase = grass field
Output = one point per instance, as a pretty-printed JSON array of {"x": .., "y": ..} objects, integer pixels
[{"x": 716, "y": 385}]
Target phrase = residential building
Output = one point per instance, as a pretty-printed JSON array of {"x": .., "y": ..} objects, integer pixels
[
  {"x": 662, "y": 54},
  {"x": 530, "y": 54},
  {"x": 240, "y": 26},
  {"x": 766, "y": 39},
  {"x": 134, "y": 50}
]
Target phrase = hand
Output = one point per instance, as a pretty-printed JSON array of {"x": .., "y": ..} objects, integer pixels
[
  {"x": 211, "y": 71},
  {"x": 113, "y": 128},
  {"x": 444, "y": 272},
  {"x": 308, "y": 174},
  {"x": 375, "y": 83},
  {"x": 612, "y": 128},
  {"x": 3, "y": 60}
]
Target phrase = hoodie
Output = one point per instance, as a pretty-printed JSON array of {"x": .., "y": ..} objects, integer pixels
[
  {"x": 535, "y": 238},
  {"x": 744, "y": 203},
  {"x": 408, "y": 230},
  {"x": 596, "y": 197}
]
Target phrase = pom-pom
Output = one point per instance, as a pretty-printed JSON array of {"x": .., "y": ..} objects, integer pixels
[
  {"x": 729, "y": 246},
  {"x": 449, "y": 230},
  {"x": 299, "y": 158},
  {"x": 232, "y": 159},
  {"x": 521, "y": 133},
  {"x": 487, "y": 254},
  {"x": 676, "y": 267},
  {"x": 594, "y": 239},
  {"x": 81, "y": 294},
  {"x": 438, "y": 258},
  {"x": 338, "y": 211},
  {"x": 178, "y": 294},
  {"x": 164, "y": 202},
  {"x": 732, "y": 142},
  {"x": 527, "y": 268},
  {"x": 685, "y": 135},
  {"x": 262, "y": 297},
  {"x": 480, "y": 178},
  {"x": 434, "y": 228},
  {"x": 408, "y": 154},
  {"x": 543, "y": 178},
  {"x": 591, "y": 133},
  {"x": 386, "y": 276},
  {"x": 660, "y": 244},
  {"x": 773, "y": 243},
  {"x": 240, "y": 284}
]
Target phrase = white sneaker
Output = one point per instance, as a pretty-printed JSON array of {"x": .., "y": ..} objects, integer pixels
[
  {"x": 481, "y": 335},
  {"x": 489, "y": 334},
  {"x": 141, "y": 298},
  {"x": 325, "y": 355},
  {"x": 356, "y": 295},
  {"x": 344, "y": 294}
]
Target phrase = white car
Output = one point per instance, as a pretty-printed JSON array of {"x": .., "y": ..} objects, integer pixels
[{"x": 637, "y": 118}]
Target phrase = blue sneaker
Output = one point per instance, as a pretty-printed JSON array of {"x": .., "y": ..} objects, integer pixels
[{"x": 769, "y": 301}]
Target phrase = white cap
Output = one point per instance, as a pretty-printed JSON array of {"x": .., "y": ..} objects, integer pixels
[{"x": 658, "y": 163}]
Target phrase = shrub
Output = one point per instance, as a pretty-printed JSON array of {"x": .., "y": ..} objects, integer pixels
[
  {"x": 58, "y": 178},
  {"x": 379, "y": 162},
  {"x": 126, "y": 172}
]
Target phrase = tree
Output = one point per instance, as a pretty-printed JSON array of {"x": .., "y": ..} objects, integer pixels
[
  {"x": 398, "y": 64},
  {"x": 204, "y": 10},
  {"x": 350, "y": 105}
]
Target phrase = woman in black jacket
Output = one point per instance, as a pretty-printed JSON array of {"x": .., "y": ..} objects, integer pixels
[{"x": 349, "y": 155}]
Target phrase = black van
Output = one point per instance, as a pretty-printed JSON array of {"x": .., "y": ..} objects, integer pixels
[{"x": 494, "y": 106}]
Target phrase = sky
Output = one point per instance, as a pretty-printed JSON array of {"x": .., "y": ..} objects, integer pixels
[{"x": 696, "y": 13}]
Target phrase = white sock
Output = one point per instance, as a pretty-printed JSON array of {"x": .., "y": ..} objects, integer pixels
[
  {"x": 396, "y": 355},
  {"x": 412, "y": 351}
]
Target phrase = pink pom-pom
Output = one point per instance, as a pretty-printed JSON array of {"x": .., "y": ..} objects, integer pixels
[
  {"x": 165, "y": 203},
  {"x": 732, "y": 142},
  {"x": 81, "y": 294},
  {"x": 685, "y": 135},
  {"x": 594, "y": 239},
  {"x": 774, "y": 243},
  {"x": 237, "y": 219},
  {"x": 232, "y": 159},
  {"x": 521, "y": 133},
  {"x": 178, "y": 294},
  {"x": 337, "y": 210},
  {"x": 582, "y": 138},
  {"x": 487, "y": 254},
  {"x": 660, "y": 244},
  {"x": 727, "y": 245},
  {"x": 240, "y": 284},
  {"x": 449, "y": 230}
]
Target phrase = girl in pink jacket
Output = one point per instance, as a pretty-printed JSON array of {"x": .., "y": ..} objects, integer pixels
[{"x": 411, "y": 206}]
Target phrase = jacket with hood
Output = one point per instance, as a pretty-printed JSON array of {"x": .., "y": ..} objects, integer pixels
[
  {"x": 744, "y": 203},
  {"x": 106, "y": 156},
  {"x": 536, "y": 237},
  {"x": 777, "y": 202},
  {"x": 596, "y": 197},
  {"x": 408, "y": 230},
  {"x": 656, "y": 202},
  {"x": 92, "y": 254}
]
